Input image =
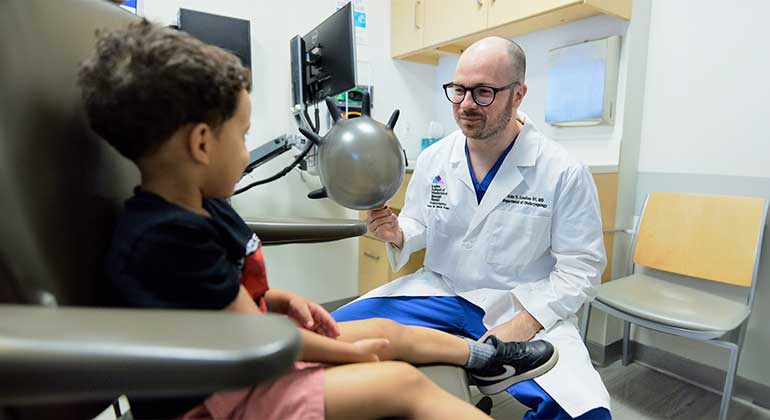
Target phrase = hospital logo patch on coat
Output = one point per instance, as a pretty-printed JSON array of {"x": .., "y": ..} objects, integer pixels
[{"x": 438, "y": 194}]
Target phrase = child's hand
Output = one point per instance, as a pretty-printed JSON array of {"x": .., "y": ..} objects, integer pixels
[
  {"x": 372, "y": 349},
  {"x": 312, "y": 316}
]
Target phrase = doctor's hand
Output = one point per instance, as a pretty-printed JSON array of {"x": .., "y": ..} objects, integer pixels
[
  {"x": 521, "y": 328},
  {"x": 312, "y": 316},
  {"x": 383, "y": 224}
]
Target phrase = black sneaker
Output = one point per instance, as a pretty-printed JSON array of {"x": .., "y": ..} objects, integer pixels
[{"x": 514, "y": 362}]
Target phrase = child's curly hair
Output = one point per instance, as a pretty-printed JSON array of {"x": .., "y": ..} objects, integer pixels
[{"x": 146, "y": 81}]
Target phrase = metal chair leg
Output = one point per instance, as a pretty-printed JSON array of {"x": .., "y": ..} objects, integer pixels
[
  {"x": 727, "y": 392},
  {"x": 584, "y": 323},
  {"x": 626, "y": 343},
  {"x": 732, "y": 370}
]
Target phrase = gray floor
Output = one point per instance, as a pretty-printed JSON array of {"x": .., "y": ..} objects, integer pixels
[{"x": 640, "y": 393}]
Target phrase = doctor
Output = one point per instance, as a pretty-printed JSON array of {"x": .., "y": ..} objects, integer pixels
[{"x": 512, "y": 231}]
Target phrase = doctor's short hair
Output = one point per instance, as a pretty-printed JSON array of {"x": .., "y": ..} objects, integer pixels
[
  {"x": 518, "y": 61},
  {"x": 145, "y": 82}
]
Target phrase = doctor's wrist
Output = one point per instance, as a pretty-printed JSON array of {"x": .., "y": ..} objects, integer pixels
[
  {"x": 532, "y": 323},
  {"x": 399, "y": 242}
]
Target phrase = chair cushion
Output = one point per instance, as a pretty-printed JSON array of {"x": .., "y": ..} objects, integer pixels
[
  {"x": 452, "y": 379},
  {"x": 672, "y": 304}
]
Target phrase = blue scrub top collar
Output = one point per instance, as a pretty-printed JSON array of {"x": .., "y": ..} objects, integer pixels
[{"x": 481, "y": 187}]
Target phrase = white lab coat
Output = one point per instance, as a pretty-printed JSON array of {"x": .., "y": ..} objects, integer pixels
[{"x": 534, "y": 242}]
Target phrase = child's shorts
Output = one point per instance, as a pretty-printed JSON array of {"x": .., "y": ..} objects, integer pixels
[{"x": 298, "y": 394}]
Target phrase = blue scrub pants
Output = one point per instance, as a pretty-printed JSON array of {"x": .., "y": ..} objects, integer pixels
[{"x": 457, "y": 316}]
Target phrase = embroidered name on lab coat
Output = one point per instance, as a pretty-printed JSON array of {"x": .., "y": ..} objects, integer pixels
[
  {"x": 438, "y": 194},
  {"x": 525, "y": 200}
]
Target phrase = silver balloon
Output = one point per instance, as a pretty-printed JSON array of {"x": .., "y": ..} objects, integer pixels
[{"x": 361, "y": 162}]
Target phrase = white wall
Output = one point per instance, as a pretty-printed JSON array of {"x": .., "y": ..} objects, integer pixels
[
  {"x": 706, "y": 107},
  {"x": 599, "y": 145},
  {"x": 705, "y": 130},
  {"x": 327, "y": 271}
]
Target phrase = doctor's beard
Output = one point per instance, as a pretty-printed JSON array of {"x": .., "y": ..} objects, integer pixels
[{"x": 489, "y": 128}]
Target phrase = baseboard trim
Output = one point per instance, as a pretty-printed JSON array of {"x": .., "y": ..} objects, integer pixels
[
  {"x": 603, "y": 356},
  {"x": 698, "y": 374}
]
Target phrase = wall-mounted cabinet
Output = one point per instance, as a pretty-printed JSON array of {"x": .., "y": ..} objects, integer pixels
[
  {"x": 421, "y": 30},
  {"x": 407, "y": 23},
  {"x": 446, "y": 19},
  {"x": 506, "y": 11}
]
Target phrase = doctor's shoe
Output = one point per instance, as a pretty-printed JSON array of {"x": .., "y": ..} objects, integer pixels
[{"x": 514, "y": 362}]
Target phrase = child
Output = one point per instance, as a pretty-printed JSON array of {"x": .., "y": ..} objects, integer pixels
[{"x": 180, "y": 109}]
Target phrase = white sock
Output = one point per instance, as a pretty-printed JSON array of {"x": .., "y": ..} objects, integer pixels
[{"x": 479, "y": 354}]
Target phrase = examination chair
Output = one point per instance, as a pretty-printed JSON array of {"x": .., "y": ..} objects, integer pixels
[{"x": 63, "y": 356}]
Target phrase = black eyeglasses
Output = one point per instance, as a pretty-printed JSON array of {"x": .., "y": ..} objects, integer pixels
[{"x": 483, "y": 95}]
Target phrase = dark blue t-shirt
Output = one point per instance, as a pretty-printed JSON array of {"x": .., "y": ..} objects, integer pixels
[{"x": 165, "y": 256}]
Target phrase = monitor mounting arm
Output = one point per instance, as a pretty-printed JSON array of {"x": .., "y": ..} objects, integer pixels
[{"x": 273, "y": 149}]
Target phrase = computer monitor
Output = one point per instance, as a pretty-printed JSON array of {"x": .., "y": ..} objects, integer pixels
[
  {"x": 324, "y": 60},
  {"x": 225, "y": 32}
]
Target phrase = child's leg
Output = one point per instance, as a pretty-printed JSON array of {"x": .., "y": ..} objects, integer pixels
[
  {"x": 409, "y": 343},
  {"x": 389, "y": 389}
]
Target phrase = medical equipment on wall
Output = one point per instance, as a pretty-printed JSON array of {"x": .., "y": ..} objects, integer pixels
[
  {"x": 360, "y": 161},
  {"x": 350, "y": 103}
]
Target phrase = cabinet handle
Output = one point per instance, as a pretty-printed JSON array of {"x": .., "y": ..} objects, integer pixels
[
  {"x": 480, "y": 3},
  {"x": 416, "y": 5},
  {"x": 372, "y": 256}
]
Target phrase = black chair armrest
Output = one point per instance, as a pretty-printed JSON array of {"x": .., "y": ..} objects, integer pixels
[
  {"x": 305, "y": 230},
  {"x": 82, "y": 354}
]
